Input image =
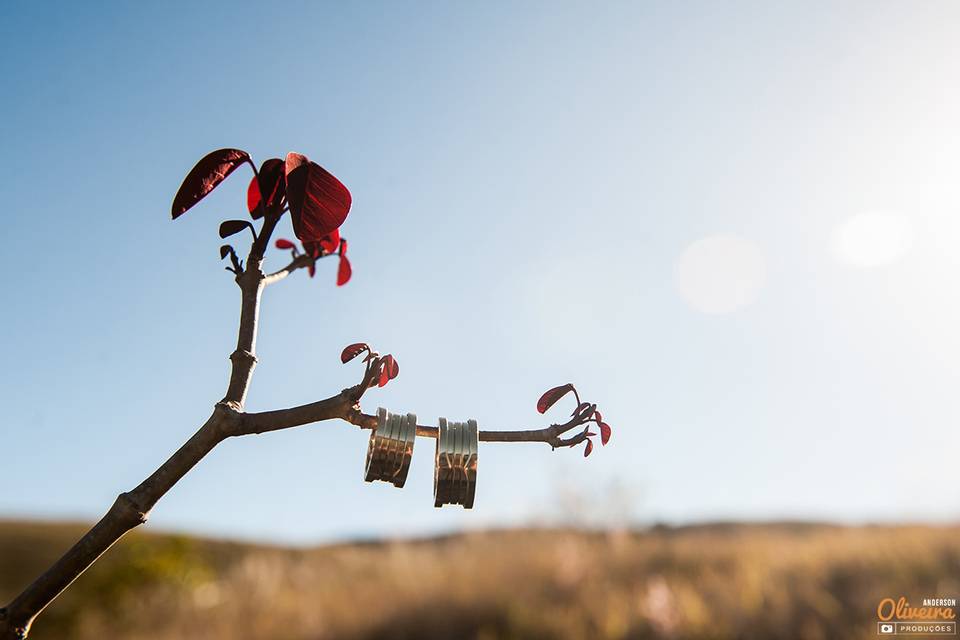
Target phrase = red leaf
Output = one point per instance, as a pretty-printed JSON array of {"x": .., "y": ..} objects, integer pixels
[
  {"x": 230, "y": 227},
  {"x": 384, "y": 372},
  {"x": 319, "y": 203},
  {"x": 604, "y": 433},
  {"x": 583, "y": 406},
  {"x": 344, "y": 271},
  {"x": 283, "y": 243},
  {"x": 312, "y": 269},
  {"x": 271, "y": 181},
  {"x": 597, "y": 417},
  {"x": 548, "y": 399},
  {"x": 253, "y": 197},
  {"x": 589, "y": 449},
  {"x": 212, "y": 169},
  {"x": 351, "y": 351},
  {"x": 331, "y": 241},
  {"x": 326, "y": 246},
  {"x": 389, "y": 369}
]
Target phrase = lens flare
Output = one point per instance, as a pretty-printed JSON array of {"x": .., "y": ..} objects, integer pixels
[{"x": 872, "y": 239}]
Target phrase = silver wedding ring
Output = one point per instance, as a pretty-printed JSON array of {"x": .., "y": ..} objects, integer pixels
[
  {"x": 455, "y": 463},
  {"x": 390, "y": 448}
]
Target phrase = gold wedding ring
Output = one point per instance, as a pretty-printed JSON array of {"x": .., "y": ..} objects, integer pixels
[
  {"x": 391, "y": 448},
  {"x": 455, "y": 463}
]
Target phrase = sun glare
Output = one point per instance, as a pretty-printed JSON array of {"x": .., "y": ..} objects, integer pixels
[{"x": 872, "y": 239}]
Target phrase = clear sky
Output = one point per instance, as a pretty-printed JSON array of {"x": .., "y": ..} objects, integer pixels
[{"x": 733, "y": 225}]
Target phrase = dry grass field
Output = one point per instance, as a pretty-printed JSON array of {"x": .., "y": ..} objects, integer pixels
[{"x": 783, "y": 581}]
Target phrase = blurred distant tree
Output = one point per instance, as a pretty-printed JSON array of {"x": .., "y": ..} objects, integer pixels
[{"x": 318, "y": 204}]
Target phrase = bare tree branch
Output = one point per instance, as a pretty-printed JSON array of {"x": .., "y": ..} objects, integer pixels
[
  {"x": 342, "y": 406},
  {"x": 228, "y": 419},
  {"x": 128, "y": 511}
]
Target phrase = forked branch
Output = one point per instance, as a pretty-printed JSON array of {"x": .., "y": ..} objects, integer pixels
[{"x": 279, "y": 184}]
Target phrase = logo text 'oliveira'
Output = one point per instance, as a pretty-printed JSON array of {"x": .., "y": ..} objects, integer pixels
[{"x": 933, "y": 617}]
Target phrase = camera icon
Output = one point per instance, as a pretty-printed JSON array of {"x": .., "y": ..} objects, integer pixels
[{"x": 886, "y": 628}]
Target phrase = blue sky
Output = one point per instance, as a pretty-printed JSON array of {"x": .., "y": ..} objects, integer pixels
[{"x": 530, "y": 182}]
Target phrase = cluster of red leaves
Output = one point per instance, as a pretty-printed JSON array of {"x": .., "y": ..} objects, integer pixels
[
  {"x": 584, "y": 414},
  {"x": 330, "y": 244},
  {"x": 387, "y": 367},
  {"x": 318, "y": 202}
]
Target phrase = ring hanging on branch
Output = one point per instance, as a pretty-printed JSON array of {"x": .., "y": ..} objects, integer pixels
[
  {"x": 391, "y": 448},
  {"x": 455, "y": 463}
]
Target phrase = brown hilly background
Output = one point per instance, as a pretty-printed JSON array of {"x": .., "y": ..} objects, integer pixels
[{"x": 783, "y": 581}]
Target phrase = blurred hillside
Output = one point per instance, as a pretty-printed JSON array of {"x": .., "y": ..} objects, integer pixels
[{"x": 776, "y": 581}]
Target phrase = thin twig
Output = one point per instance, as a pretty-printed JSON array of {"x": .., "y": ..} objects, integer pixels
[
  {"x": 299, "y": 262},
  {"x": 342, "y": 406}
]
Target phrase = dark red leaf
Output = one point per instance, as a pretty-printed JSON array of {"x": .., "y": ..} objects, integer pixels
[
  {"x": 283, "y": 243},
  {"x": 604, "y": 433},
  {"x": 344, "y": 271},
  {"x": 351, "y": 351},
  {"x": 384, "y": 373},
  {"x": 230, "y": 227},
  {"x": 319, "y": 203},
  {"x": 225, "y": 250},
  {"x": 312, "y": 269},
  {"x": 548, "y": 399},
  {"x": 389, "y": 369},
  {"x": 597, "y": 417},
  {"x": 331, "y": 241},
  {"x": 271, "y": 181},
  {"x": 212, "y": 169},
  {"x": 583, "y": 406},
  {"x": 589, "y": 448}
]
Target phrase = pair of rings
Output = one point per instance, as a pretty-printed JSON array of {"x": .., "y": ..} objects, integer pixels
[
  {"x": 391, "y": 448},
  {"x": 455, "y": 463}
]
